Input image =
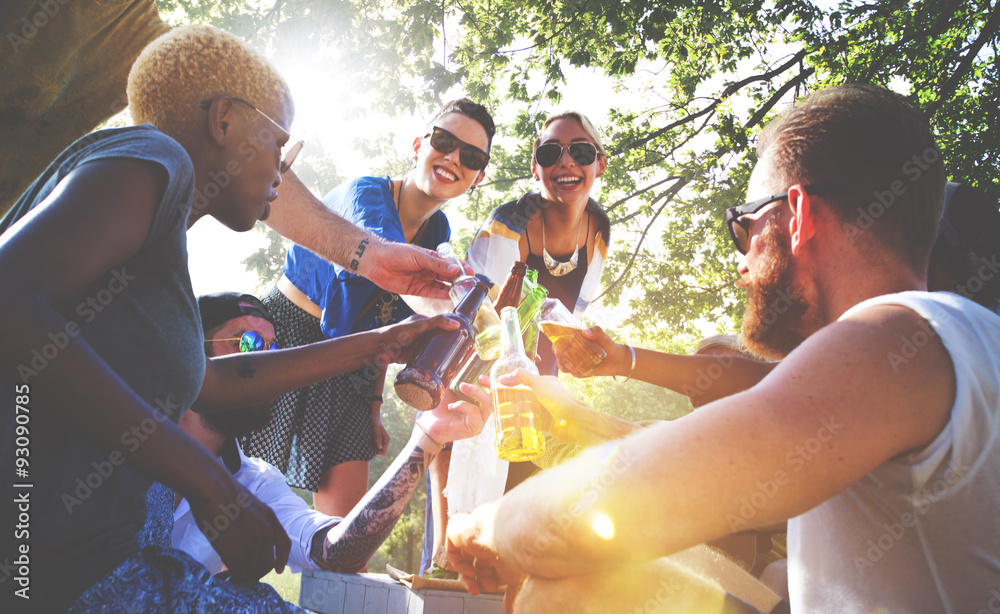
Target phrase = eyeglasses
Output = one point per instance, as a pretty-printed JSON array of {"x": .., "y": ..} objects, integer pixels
[
  {"x": 470, "y": 156},
  {"x": 287, "y": 157},
  {"x": 251, "y": 341},
  {"x": 739, "y": 227},
  {"x": 583, "y": 153}
]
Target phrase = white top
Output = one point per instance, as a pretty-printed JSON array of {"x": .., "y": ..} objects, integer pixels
[
  {"x": 266, "y": 483},
  {"x": 920, "y": 533}
]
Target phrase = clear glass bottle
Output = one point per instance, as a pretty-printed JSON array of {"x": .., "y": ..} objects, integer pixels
[
  {"x": 513, "y": 406},
  {"x": 463, "y": 283},
  {"x": 422, "y": 383}
]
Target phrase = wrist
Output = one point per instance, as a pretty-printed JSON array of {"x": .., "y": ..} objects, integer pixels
[
  {"x": 426, "y": 439},
  {"x": 364, "y": 254}
]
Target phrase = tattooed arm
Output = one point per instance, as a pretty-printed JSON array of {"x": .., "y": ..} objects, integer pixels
[
  {"x": 396, "y": 267},
  {"x": 347, "y": 546}
]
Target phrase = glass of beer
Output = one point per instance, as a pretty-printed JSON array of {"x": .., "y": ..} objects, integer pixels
[{"x": 577, "y": 353}]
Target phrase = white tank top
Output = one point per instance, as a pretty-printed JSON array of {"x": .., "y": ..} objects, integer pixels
[{"x": 920, "y": 533}]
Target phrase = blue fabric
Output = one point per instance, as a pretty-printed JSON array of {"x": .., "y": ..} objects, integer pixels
[
  {"x": 340, "y": 294},
  {"x": 163, "y": 580},
  {"x": 142, "y": 319}
]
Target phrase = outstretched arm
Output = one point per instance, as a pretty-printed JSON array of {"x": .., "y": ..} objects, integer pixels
[
  {"x": 703, "y": 379},
  {"x": 347, "y": 546},
  {"x": 239, "y": 380},
  {"x": 681, "y": 483},
  {"x": 396, "y": 267}
]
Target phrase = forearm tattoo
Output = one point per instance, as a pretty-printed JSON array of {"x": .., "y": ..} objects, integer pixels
[
  {"x": 356, "y": 261},
  {"x": 348, "y": 546}
]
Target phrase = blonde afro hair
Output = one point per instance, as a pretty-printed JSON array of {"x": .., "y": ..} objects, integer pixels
[{"x": 193, "y": 63}]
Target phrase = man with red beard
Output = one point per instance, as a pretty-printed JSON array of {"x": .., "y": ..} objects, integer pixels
[{"x": 876, "y": 436}]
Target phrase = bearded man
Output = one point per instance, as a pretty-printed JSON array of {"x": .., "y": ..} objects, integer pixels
[{"x": 877, "y": 436}]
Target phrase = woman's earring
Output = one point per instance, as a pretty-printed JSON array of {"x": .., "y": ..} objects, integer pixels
[{"x": 471, "y": 189}]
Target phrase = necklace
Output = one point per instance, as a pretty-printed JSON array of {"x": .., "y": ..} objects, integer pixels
[{"x": 556, "y": 268}]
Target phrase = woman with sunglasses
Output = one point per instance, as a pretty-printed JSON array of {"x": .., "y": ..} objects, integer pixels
[
  {"x": 323, "y": 436},
  {"x": 560, "y": 230}
]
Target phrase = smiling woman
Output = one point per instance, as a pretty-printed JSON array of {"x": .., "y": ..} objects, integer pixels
[{"x": 323, "y": 436}]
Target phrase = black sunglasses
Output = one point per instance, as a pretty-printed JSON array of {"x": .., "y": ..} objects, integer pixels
[
  {"x": 583, "y": 153},
  {"x": 739, "y": 228},
  {"x": 470, "y": 156}
]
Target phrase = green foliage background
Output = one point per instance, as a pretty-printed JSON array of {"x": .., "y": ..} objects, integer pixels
[{"x": 713, "y": 74}]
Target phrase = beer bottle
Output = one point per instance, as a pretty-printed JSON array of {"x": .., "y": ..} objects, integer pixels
[
  {"x": 421, "y": 384},
  {"x": 513, "y": 412},
  {"x": 510, "y": 294}
]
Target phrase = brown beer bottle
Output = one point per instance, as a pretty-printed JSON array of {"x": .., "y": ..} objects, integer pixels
[
  {"x": 510, "y": 293},
  {"x": 422, "y": 383}
]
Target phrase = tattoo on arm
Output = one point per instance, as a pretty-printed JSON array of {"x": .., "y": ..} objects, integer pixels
[
  {"x": 356, "y": 261},
  {"x": 244, "y": 370},
  {"x": 348, "y": 546}
]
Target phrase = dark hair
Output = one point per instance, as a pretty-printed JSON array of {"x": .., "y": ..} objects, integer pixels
[
  {"x": 221, "y": 307},
  {"x": 472, "y": 110},
  {"x": 968, "y": 246},
  {"x": 877, "y": 151}
]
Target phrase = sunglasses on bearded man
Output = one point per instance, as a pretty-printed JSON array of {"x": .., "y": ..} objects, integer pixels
[{"x": 739, "y": 226}]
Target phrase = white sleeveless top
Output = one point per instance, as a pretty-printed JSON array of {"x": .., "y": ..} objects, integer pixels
[{"x": 920, "y": 533}]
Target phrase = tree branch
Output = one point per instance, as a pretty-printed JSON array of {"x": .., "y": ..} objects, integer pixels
[
  {"x": 668, "y": 195},
  {"x": 731, "y": 89},
  {"x": 794, "y": 81},
  {"x": 987, "y": 33}
]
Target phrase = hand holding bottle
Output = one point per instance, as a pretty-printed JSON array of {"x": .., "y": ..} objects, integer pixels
[{"x": 618, "y": 361}]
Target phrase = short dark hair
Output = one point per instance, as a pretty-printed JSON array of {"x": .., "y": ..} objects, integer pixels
[
  {"x": 880, "y": 154},
  {"x": 472, "y": 110}
]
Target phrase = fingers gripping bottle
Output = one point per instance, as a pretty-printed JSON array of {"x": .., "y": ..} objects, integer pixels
[
  {"x": 517, "y": 439},
  {"x": 425, "y": 378}
]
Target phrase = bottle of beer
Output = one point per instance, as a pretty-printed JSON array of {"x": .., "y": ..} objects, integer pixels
[
  {"x": 510, "y": 294},
  {"x": 513, "y": 414},
  {"x": 487, "y": 343},
  {"x": 422, "y": 383}
]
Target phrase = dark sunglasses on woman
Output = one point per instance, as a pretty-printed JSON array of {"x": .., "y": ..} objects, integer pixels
[
  {"x": 251, "y": 341},
  {"x": 470, "y": 156},
  {"x": 583, "y": 153}
]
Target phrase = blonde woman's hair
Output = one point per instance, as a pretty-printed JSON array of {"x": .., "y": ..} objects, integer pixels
[
  {"x": 195, "y": 63},
  {"x": 733, "y": 343},
  {"x": 585, "y": 123}
]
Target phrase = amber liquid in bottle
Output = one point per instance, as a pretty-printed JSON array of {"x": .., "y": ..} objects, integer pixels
[
  {"x": 421, "y": 384},
  {"x": 578, "y": 353},
  {"x": 517, "y": 437}
]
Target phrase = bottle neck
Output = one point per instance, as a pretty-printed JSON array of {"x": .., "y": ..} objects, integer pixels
[
  {"x": 531, "y": 305},
  {"x": 510, "y": 333},
  {"x": 470, "y": 304}
]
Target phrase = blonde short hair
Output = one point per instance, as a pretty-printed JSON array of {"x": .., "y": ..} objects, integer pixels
[
  {"x": 193, "y": 63},
  {"x": 585, "y": 123},
  {"x": 733, "y": 343}
]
